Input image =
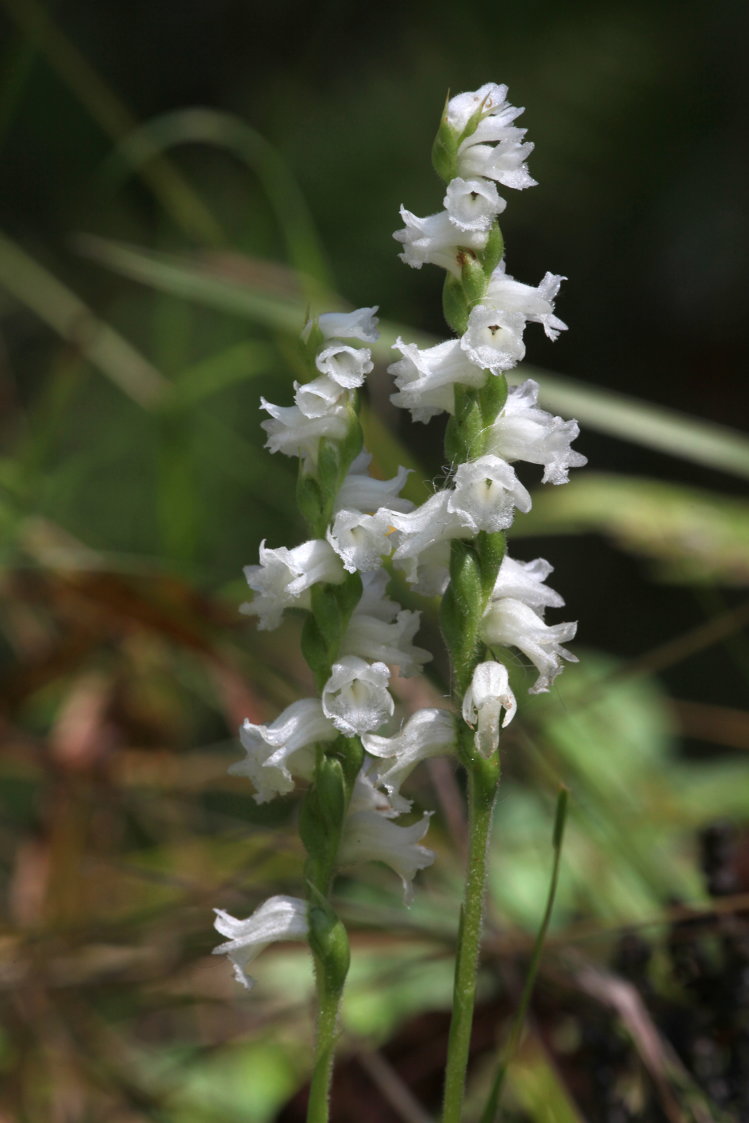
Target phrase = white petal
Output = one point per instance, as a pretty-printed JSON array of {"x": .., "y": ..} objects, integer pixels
[
  {"x": 278, "y": 918},
  {"x": 356, "y": 696},
  {"x": 486, "y": 697}
]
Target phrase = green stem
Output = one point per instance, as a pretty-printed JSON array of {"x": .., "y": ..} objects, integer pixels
[
  {"x": 483, "y": 782},
  {"x": 491, "y": 1110},
  {"x": 322, "y": 1073}
]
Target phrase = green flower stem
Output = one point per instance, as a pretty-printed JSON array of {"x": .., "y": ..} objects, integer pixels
[
  {"x": 483, "y": 783},
  {"x": 327, "y": 1034}
]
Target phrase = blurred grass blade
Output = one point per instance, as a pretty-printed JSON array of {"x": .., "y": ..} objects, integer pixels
[
  {"x": 489, "y": 1114},
  {"x": 237, "y": 363},
  {"x": 703, "y": 442},
  {"x": 206, "y": 126},
  {"x": 696, "y": 535},
  {"x": 59, "y": 308},
  {"x": 209, "y": 282},
  {"x": 115, "y": 120}
]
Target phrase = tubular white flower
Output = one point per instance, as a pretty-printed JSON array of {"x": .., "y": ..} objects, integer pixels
[
  {"x": 375, "y": 639},
  {"x": 510, "y": 623},
  {"x": 429, "y": 524},
  {"x": 490, "y": 99},
  {"x": 435, "y": 240},
  {"x": 486, "y": 493},
  {"x": 504, "y": 162},
  {"x": 278, "y": 918},
  {"x": 486, "y": 697},
  {"x": 284, "y": 577},
  {"x": 427, "y": 733},
  {"x": 493, "y": 338},
  {"x": 361, "y": 541},
  {"x": 427, "y": 570},
  {"x": 525, "y": 581},
  {"x": 426, "y": 378},
  {"x": 522, "y": 431},
  {"x": 294, "y": 434},
  {"x": 536, "y": 304},
  {"x": 356, "y": 696},
  {"x": 472, "y": 204},
  {"x": 321, "y": 397},
  {"x": 374, "y": 599},
  {"x": 362, "y": 492},
  {"x": 348, "y": 366},
  {"x": 369, "y": 836},
  {"x": 278, "y": 753},
  {"x": 361, "y": 324}
]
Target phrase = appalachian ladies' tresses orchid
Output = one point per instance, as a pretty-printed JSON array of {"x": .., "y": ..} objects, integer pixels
[
  {"x": 284, "y": 577},
  {"x": 426, "y": 379},
  {"x": 356, "y": 697},
  {"x": 361, "y": 324},
  {"x": 283, "y": 750},
  {"x": 493, "y": 339},
  {"x": 485, "y": 494},
  {"x": 486, "y": 697},
  {"x": 510, "y": 623},
  {"x": 435, "y": 240},
  {"x": 278, "y": 918},
  {"x": 535, "y": 303},
  {"x": 523, "y": 431},
  {"x": 293, "y": 433},
  {"x": 525, "y": 581},
  {"x": 472, "y": 204},
  {"x": 427, "y": 733},
  {"x": 370, "y": 836}
]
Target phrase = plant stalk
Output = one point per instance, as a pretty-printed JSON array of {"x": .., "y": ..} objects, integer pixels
[{"x": 483, "y": 783}]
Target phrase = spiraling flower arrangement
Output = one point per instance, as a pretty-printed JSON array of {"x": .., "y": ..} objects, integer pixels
[{"x": 355, "y": 637}]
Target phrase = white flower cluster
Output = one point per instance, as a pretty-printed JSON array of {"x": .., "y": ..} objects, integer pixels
[
  {"x": 356, "y": 700},
  {"x": 371, "y": 525}
]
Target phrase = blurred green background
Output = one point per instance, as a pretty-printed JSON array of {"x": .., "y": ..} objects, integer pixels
[{"x": 181, "y": 182}]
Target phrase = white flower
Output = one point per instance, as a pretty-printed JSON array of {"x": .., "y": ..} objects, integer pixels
[
  {"x": 387, "y": 641},
  {"x": 490, "y": 99},
  {"x": 472, "y": 204},
  {"x": 485, "y": 494},
  {"x": 374, "y": 599},
  {"x": 284, "y": 749},
  {"x": 427, "y": 733},
  {"x": 360, "y": 540},
  {"x": 486, "y": 697},
  {"x": 292, "y": 433},
  {"x": 427, "y": 570},
  {"x": 370, "y": 836},
  {"x": 536, "y": 304},
  {"x": 321, "y": 397},
  {"x": 346, "y": 365},
  {"x": 525, "y": 581},
  {"x": 278, "y": 918},
  {"x": 361, "y": 324},
  {"x": 356, "y": 697},
  {"x": 435, "y": 240},
  {"x": 493, "y": 338},
  {"x": 510, "y": 623},
  {"x": 362, "y": 492},
  {"x": 522, "y": 431},
  {"x": 429, "y": 524},
  {"x": 426, "y": 378},
  {"x": 504, "y": 162},
  {"x": 284, "y": 577}
]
